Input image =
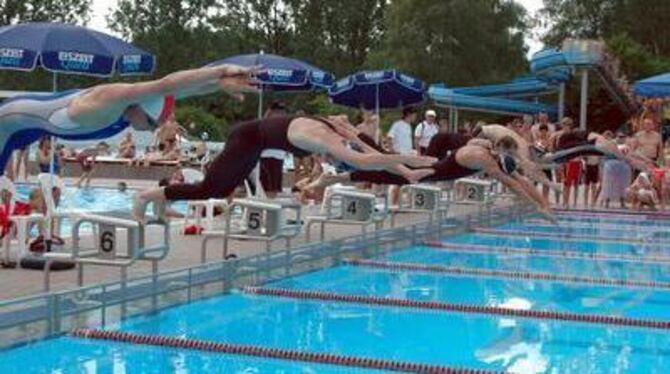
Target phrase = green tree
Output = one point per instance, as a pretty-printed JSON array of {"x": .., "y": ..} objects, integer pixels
[
  {"x": 197, "y": 121},
  {"x": 66, "y": 11},
  {"x": 462, "y": 42},
  {"x": 18, "y": 11}
]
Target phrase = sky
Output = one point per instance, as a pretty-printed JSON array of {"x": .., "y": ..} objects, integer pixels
[{"x": 101, "y": 9}]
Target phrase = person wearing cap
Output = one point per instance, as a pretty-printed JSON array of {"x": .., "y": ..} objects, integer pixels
[
  {"x": 425, "y": 131},
  {"x": 107, "y": 109}
]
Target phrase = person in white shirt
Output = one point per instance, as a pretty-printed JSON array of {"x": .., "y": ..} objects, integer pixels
[
  {"x": 425, "y": 131},
  {"x": 401, "y": 142},
  {"x": 401, "y": 132}
]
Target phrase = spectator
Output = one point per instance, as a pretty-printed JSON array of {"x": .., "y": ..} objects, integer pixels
[
  {"x": 272, "y": 160},
  {"x": 641, "y": 193},
  {"x": 127, "y": 147},
  {"x": 400, "y": 136},
  {"x": 616, "y": 176},
  {"x": 369, "y": 124},
  {"x": 648, "y": 142},
  {"x": 591, "y": 180},
  {"x": 542, "y": 119},
  {"x": 542, "y": 142},
  {"x": 572, "y": 170},
  {"x": 44, "y": 160},
  {"x": 425, "y": 131}
]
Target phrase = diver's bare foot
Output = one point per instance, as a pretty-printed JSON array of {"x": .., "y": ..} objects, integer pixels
[
  {"x": 420, "y": 161},
  {"x": 417, "y": 175},
  {"x": 324, "y": 180}
]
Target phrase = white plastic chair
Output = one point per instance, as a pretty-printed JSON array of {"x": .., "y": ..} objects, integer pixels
[
  {"x": 19, "y": 232},
  {"x": 196, "y": 208}
]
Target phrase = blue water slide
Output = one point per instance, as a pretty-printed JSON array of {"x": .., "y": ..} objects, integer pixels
[
  {"x": 517, "y": 88},
  {"x": 449, "y": 98}
]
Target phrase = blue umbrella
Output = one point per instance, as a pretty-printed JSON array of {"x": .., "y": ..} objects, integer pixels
[
  {"x": 377, "y": 89},
  {"x": 281, "y": 74},
  {"x": 68, "y": 49}
]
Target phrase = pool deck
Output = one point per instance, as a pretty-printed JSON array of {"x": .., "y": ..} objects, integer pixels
[{"x": 185, "y": 251}]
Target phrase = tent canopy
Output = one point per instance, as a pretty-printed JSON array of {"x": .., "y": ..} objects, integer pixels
[{"x": 656, "y": 86}]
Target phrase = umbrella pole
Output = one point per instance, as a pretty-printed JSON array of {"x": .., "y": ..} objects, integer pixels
[
  {"x": 49, "y": 224},
  {"x": 377, "y": 100},
  {"x": 257, "y": 170}
]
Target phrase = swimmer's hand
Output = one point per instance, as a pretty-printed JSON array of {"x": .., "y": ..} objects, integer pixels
[
  {"x": 235, "y": 79},
  {"x": 548, "y": 215},
  {"x": 419, "y": 161}
]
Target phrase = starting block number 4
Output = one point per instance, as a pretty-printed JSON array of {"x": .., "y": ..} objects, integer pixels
[
  {"x": 355, "y": 209},
  {"x": 107, "y": 241}
]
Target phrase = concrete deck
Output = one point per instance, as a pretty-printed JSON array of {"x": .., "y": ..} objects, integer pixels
[{"x": 185, "y": 251}]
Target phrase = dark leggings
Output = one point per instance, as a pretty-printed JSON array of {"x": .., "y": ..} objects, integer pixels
[{"x": 228, "y": 170}]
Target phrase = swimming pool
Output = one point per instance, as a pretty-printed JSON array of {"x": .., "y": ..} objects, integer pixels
[
  {"x": 91, "y": 199},
  {"x": 450, "y": 303}
]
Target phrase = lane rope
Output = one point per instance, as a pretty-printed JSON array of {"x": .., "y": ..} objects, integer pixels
[
  {"x": 483, "y": 230},
  {"x": 511, "y": 274},
  {"x": 273, "y": 353},
  {"x": 487, "y": 249},
  {"x": 460, "y": 308},
  {"x": 567, "y": 224}
]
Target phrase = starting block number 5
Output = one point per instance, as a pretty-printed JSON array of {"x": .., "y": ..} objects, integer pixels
[{"x": 107, "y": 240}]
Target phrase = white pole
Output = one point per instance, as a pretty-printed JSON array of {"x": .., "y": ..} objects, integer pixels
[
  {"x": 584, "y": 99},
  {"x": 377, "y": 99},
  {"x": 257, "y": 170},
  {"x": 561, "y": 101}
]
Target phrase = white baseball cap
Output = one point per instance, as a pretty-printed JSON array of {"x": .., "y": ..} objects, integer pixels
[{"x": 431, "y": 113}]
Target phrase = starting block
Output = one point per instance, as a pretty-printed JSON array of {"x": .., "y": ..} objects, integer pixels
[
  {"x": 108, "y": 229},
  {"x": 262, "y": 220},
  {"x": 348, "y": 206},
  {"x": 420, "y": 198},
  {"x": 475, "y": 192}
]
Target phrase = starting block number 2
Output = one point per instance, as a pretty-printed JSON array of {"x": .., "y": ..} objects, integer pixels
[{"x": 107, "y": 240}]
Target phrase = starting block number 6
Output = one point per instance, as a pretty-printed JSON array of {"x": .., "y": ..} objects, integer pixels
[{"x": 107, "y": 242}]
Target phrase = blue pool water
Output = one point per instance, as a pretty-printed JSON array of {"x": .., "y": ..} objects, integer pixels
[{"x": 405, "y": 334}]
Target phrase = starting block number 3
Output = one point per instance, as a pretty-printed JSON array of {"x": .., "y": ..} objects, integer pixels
[{"x": 107, "y": 240}]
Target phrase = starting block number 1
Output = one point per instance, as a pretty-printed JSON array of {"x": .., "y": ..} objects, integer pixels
[{"x": 107, "y": 240}]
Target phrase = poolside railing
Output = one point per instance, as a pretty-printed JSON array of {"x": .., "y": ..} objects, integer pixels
[{"x": 32, "y": 318}]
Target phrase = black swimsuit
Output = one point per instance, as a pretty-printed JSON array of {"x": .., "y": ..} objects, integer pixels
[
  {"x": 239, "y": 157},
  {"x": 447, "y": 168}
]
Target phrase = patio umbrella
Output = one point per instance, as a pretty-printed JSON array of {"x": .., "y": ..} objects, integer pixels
[
  {"x": 69, "y": 49},
  {"x": 379, "y": 89},
  {"x": 283, "y": 74}
]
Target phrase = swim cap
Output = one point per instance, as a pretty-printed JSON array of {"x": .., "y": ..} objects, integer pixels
[
  {"x": 507, "y": 163},
  {"x": 159, "y": 109}
]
